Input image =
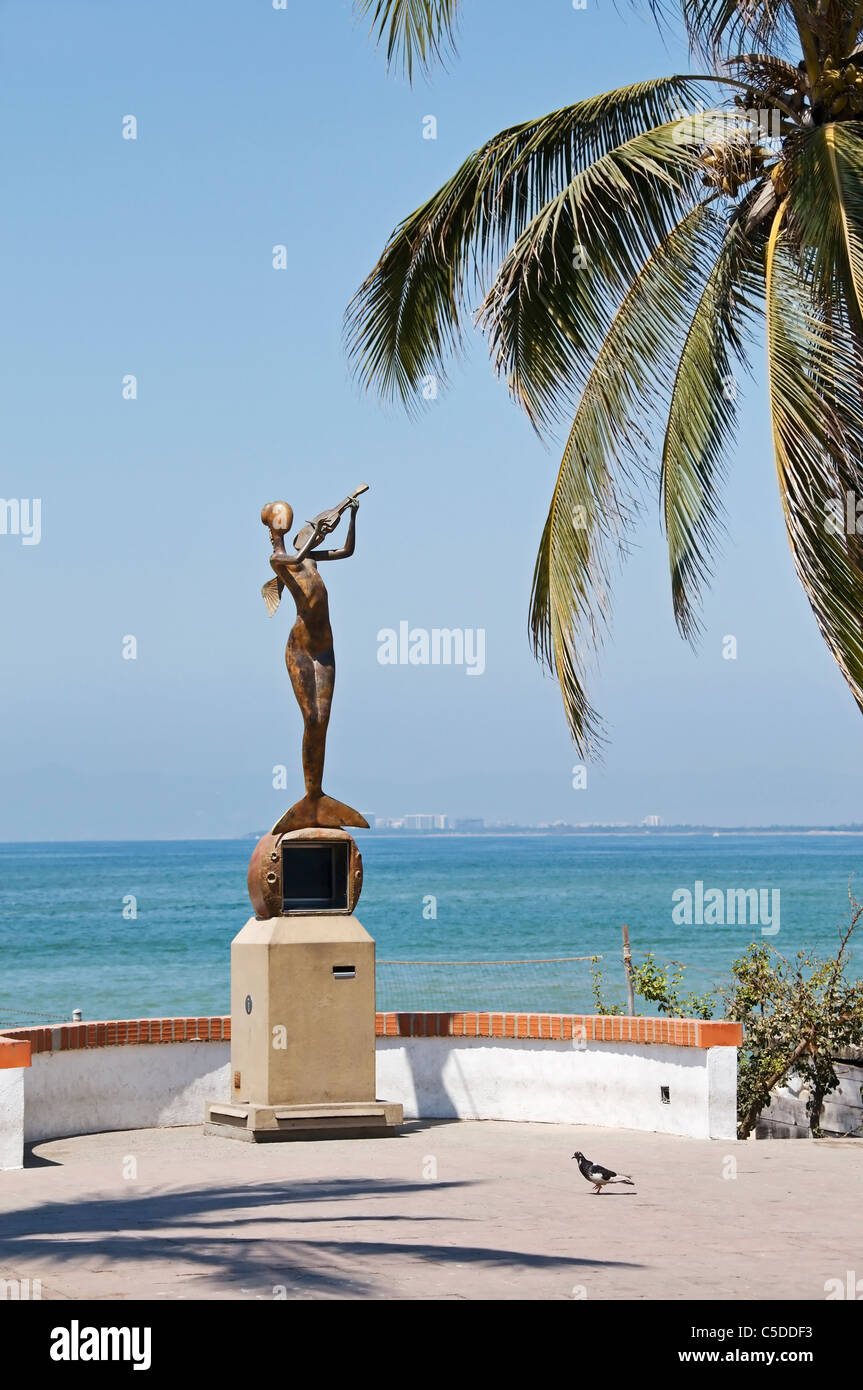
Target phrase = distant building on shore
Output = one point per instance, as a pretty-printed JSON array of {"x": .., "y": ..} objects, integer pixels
[
  {"x": 652, "y": 820},
  {"x": 420, "y": 821},
  {"x": 470, "y": 825}
]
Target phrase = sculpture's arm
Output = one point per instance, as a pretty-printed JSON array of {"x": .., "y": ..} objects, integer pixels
[
  {"x": 292, "y": 561},
  {"x": 350, "y": 541}
]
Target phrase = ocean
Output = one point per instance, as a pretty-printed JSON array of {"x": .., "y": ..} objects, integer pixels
[{"x": 450, "y": 906}]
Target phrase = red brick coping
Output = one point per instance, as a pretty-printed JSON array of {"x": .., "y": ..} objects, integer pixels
[
  {"x": 14, "y": 1052},
  {"x": 675, "y": 1032}
]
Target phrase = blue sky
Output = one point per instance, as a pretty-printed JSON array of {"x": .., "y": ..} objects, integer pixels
[{"x": 153, "y": 257}]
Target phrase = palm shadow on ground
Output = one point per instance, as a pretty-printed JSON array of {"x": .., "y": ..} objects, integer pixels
[{"x": 204, "y": 1235}]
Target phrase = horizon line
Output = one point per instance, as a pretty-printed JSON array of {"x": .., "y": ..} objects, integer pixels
[{"x": 562, "y": 828}]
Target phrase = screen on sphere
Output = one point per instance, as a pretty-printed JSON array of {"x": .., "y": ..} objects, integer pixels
[{"x": 315, "y": 876}]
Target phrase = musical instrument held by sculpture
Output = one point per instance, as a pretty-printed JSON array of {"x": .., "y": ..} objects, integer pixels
[{"x": 327, "y": 521}]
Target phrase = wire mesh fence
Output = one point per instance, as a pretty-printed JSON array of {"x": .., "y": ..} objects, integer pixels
[
  {"x": 13, "y": 1017},
  {"x": 548, "y": 984},
  {"x": 554, "y": 984}
]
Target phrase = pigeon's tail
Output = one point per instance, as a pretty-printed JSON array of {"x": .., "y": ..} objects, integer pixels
[{"x": 621, "y": 1177}]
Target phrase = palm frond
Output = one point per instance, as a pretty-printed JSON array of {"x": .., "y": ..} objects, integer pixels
[
  {"x": 409, "y": 314},
  {"x": 417, "y": 33},
  {"x": 552, "y": 301},
  {"x": 703, "y": 413},
  {"x": 815, "y": 379},
  {"x": 765, "y": 70},
  {"x": 715, "y": 28},
  {"x": 784, "y": 28},
  {"x": 825, "y": 211},
  {"x": 606, "y": 453}
]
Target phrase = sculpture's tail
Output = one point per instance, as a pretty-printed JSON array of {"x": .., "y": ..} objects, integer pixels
[{"x": 322, "y": 811}]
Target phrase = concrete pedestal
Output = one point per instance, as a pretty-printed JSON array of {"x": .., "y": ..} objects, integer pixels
[{"x": 302, "y": 1033}]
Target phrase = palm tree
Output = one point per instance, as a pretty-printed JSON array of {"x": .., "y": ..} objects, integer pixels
[
  {"x": 418, "y": 33},
  {"x": 619, "y": 255}
]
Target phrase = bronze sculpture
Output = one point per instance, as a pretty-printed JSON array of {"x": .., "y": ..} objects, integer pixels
[
  {"x": 304, "y": 958},
  {"x": 309, "y": 651}
]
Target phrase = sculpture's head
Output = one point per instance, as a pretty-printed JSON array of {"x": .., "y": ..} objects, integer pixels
[{"x": 278, "y": 516}]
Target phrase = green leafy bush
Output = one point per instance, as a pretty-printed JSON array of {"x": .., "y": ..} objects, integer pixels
[{"x": 796, "y": 1015}]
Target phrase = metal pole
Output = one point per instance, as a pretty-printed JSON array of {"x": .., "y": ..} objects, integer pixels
[{"x": 627, "y": 966}]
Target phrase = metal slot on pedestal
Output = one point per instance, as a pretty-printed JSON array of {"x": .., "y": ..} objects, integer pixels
[{"x": 344, "y": 972}]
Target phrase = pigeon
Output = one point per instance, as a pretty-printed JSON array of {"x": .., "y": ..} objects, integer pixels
[{"x": 599, "y": 1176}]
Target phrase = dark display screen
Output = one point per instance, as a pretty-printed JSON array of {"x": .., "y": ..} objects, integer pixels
[{"x": 315, "y": 876}]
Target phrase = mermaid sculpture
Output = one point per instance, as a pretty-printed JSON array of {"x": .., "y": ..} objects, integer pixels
[{"x": 309, "y": 652}]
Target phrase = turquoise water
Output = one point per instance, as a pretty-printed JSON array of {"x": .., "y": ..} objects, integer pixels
[{"x": 65, "y": 944}]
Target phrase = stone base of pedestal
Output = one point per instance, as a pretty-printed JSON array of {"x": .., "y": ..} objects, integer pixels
[{"x": 272, "y": 1123}]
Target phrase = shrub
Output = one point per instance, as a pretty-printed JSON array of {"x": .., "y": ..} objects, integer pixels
[{"x": 796, "y": 1015}]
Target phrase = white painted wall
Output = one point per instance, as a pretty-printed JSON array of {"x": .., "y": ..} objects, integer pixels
[
  {"x": 615, "y": 1084},
  {"x": 140, "y": 1086},
  {"x": 11, "y": 1117},
  {"x": 722, "y": 1092}
]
